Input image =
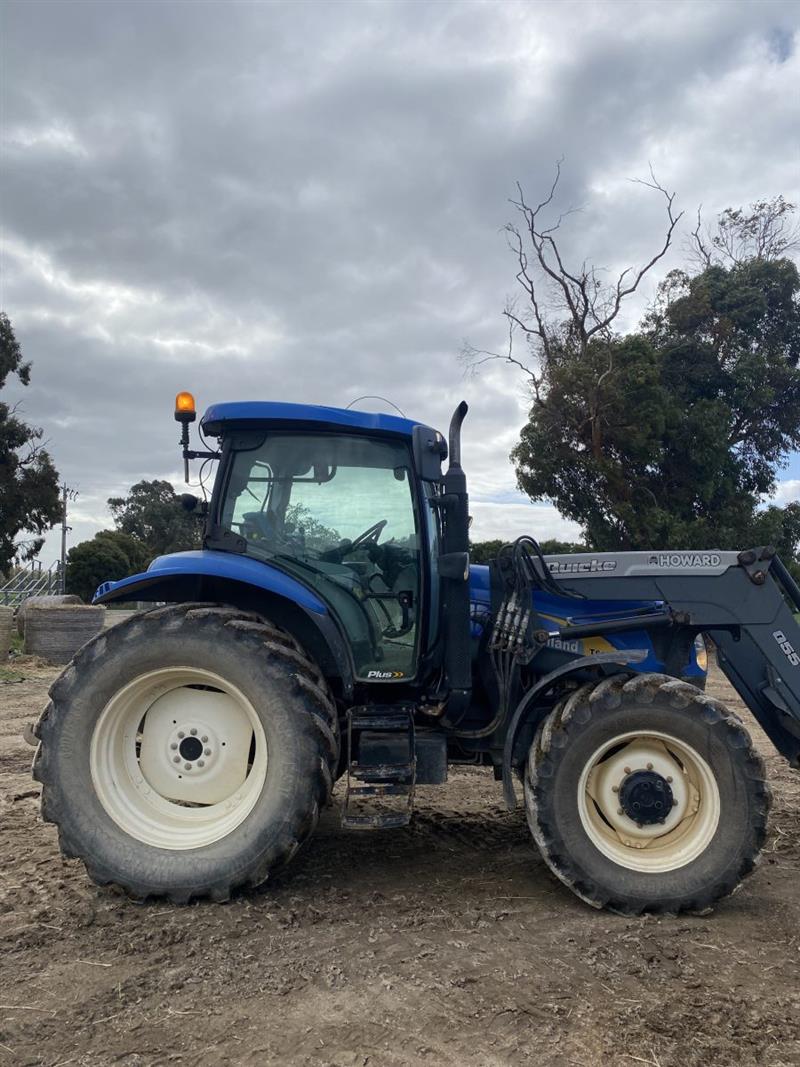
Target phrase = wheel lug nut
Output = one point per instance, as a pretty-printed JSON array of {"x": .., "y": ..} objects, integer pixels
[
  {"x": 620, "y": 811},
  {"x": 674, "y": 802},
  {"x": 193, "y": 732},
  {"x": 669, "y": 777},
  {"x": 204, "y": 739},
  {"x": 201, "y": 763},
  {"x": 614, "y": 788},
  {"x": 627, "y": 770},
  {"x": 174, "y": 745},
  {"x": 187, "y": 766},
  {"x": 206, "y": 751},
  {"x": 649, "y": 766},
  {"x": 181, "y": 734},
  {"x": 176, "y": 759}
]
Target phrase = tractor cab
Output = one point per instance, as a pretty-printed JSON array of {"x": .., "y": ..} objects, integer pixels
[
  {"x": 343, "y": 527},
  {"x": 351, "y": 505},
  {"x": 341, "y": 513}
]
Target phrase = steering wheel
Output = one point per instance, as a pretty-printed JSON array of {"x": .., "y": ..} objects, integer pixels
[{"x": 368, "y": 537}]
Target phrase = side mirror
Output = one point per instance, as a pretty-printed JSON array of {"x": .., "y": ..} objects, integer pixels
[
  {"x": 193, "y": 504},
  {"x": 429, "y": 449},
  {"x": 455, "y": 566}
]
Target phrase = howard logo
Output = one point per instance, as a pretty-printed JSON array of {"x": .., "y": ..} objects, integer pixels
[
  {"x": 385, "y": 676},
  {"x": 686, "y": 559}
]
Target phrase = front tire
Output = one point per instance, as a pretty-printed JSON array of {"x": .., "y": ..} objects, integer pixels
[
  {"x": 643, "y": 794},
  {"x": 186, "y": 752}
]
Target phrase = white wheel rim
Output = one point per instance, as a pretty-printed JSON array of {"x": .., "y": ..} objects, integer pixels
[
  {"x": 690, "y": 823},
  {"x": 207, "y": 791}
]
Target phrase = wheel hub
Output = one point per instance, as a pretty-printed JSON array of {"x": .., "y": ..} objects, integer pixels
[
  {"x": 191, "y": 748},
  {"x": 195, "y": 746},
  {"x": 191, "y": 745},
  {"x": 646, "y": 797}
]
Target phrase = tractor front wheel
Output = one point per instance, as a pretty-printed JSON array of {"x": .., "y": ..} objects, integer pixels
[
  {"x": 186, "y": 752},
  {"x": 643, "y": 794}
]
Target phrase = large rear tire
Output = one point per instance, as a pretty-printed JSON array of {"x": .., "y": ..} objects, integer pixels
[
  {"x": 186, "y": 752},
  {"x": 643, "y": 794}
]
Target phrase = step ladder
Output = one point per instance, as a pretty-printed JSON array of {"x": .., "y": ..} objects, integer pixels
[{"x": 369, "y": 781}]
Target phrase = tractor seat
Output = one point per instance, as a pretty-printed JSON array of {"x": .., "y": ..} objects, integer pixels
[{"x": 261, "y": 523}]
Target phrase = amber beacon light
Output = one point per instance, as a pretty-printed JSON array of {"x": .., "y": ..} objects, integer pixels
[{"x": 185, "y": 410}]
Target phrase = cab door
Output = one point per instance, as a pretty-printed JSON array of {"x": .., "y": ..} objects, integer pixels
[{"x": 340, "y": 512}]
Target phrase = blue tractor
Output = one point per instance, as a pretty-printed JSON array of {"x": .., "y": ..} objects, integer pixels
[{"x": 332, "y": 626}]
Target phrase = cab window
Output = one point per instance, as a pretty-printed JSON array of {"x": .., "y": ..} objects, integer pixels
[{"x": 338, "y": 512}]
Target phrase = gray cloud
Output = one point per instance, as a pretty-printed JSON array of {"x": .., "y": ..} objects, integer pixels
[{"x": 303, "y": 201}]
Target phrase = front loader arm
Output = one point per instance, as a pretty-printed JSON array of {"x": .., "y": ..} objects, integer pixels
[{"x": 745, "y": 601}]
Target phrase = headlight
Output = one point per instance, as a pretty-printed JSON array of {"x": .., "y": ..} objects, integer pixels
[{"x": 701, "y": 652}]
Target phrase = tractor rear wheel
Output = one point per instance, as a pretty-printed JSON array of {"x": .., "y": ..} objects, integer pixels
[
  {"x": 643, "y": 794},
  {"x": 186, "y": 752}
]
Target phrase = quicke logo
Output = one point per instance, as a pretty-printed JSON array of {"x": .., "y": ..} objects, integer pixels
[{"x": 584, "y": 566}]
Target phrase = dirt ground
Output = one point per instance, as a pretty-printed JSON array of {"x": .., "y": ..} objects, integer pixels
[{"x": 445, "y": 943}]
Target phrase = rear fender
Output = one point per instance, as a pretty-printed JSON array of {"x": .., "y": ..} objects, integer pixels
[{"x": 224, "y": 578}]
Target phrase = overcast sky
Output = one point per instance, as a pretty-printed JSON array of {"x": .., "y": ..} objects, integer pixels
[{"x": 304, "y": 201}]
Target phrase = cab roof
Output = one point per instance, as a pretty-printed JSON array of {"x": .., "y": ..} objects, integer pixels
[{"x": 267, "y": 414}]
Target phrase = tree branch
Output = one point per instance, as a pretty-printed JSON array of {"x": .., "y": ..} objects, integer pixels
[{"x": 624, "y": 291}]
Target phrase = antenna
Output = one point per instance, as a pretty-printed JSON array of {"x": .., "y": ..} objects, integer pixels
[{"x": 374, "y": 396}]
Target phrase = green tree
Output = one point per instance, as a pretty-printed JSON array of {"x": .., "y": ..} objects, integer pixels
[
  {"x": 554, "y": 547},
  {"x": 767, "y": 230},
  {"x": 676, "y": 440},
  {"x": 300, "y": 524},
  {"x": 591, "y": 438},
  {"x": 483, "y": 551},
  {"x": 728, "y": 344},
  {"x": 780, "y": 527},
  {"x": 152, "y": 513},
  {"x": 28, "y": 479},
  {"x": 671, "y": 435},
  {"x": 109, "y": 556}
]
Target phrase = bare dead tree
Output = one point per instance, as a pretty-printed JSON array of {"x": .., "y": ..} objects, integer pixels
[
  {"x": 558, "y": 301},
  {"x": 474, "y": 358},
  {"x": 766, "y": 231}
]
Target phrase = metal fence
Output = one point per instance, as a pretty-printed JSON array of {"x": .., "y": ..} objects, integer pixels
[{"x": 33, "y": 580}]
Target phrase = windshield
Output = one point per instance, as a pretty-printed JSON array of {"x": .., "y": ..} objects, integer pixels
[{"x": 338, "y": 512}]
